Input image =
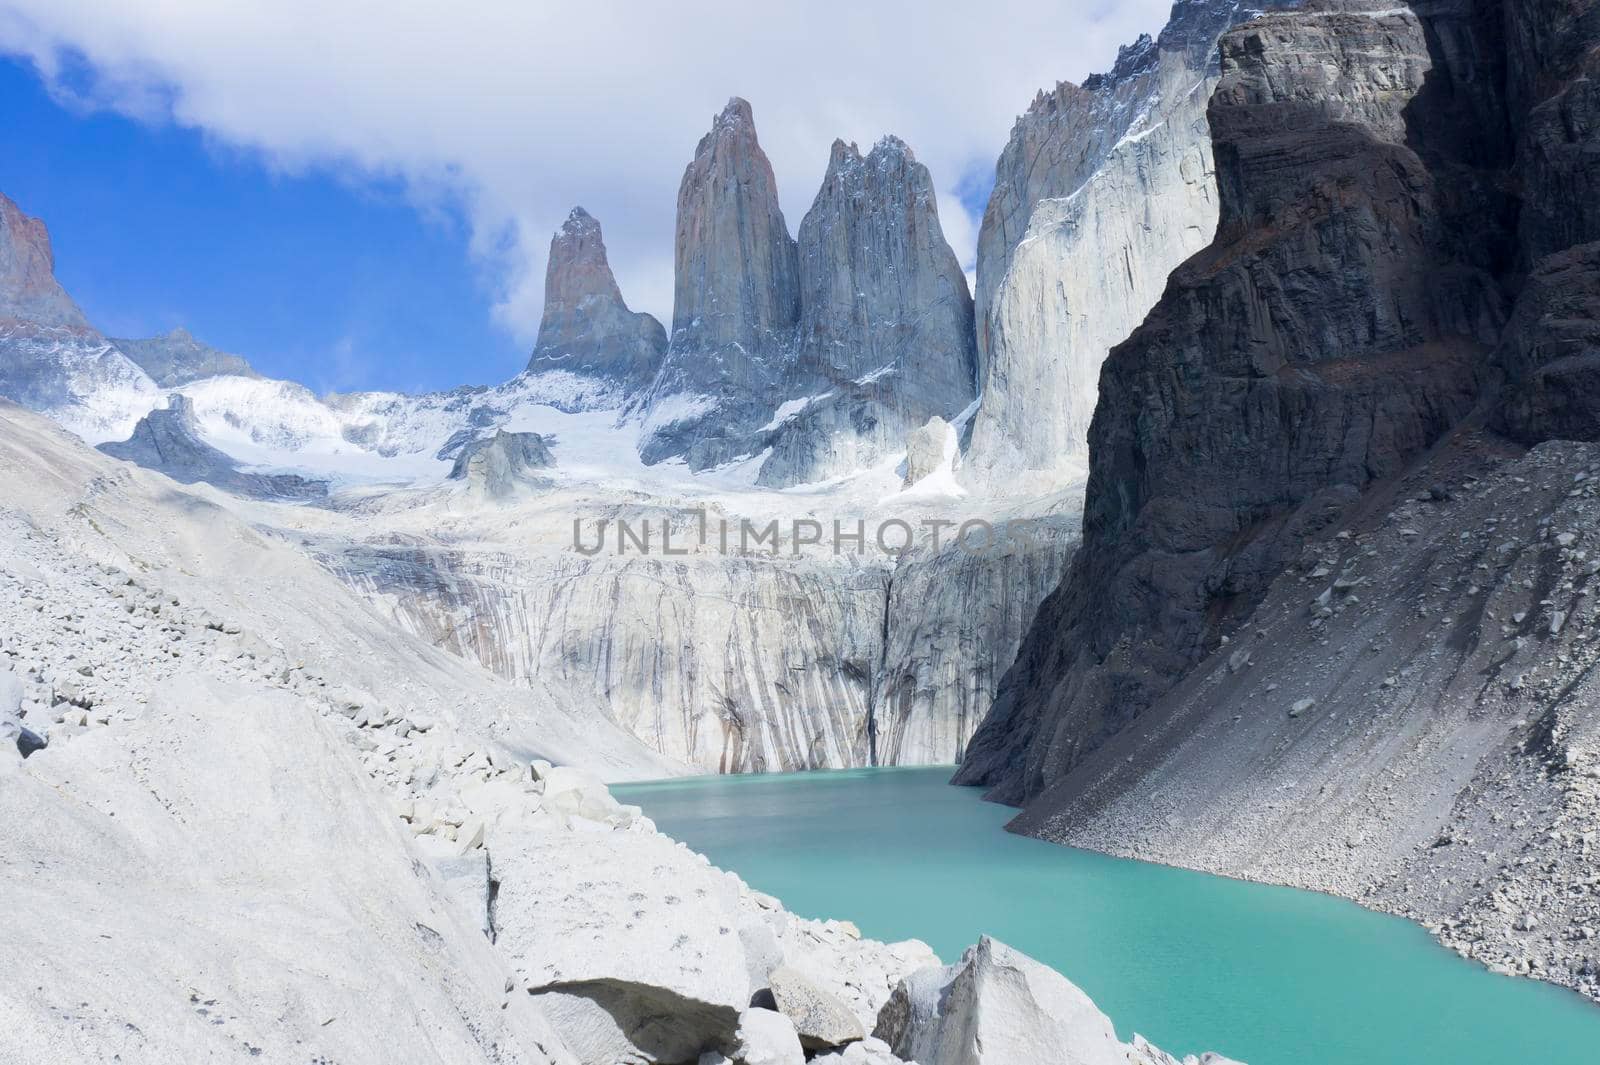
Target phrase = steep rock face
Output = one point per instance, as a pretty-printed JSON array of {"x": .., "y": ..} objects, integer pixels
[
  {"x": 178, "y": 358},
  {"x": 738, "y": 664},
  {"x": 730, "y": 664},
  {"x": 1339, "y": 326},
  {"x": 51, "y": 359},
  {"x": 885, "y": 321},
  {"x": 1335, "y": 601},
  {"x": 1101, "y": 192},
  {"x": 955, "y": 620},
  {"x": 29, "y": 291},
  {"x": 587, "y": 328},
  {"x": 736, "y": 300},
  {"x": 169, "y": 441}
]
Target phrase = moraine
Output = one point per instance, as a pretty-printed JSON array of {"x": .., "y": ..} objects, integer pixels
[{"x": 1264, "y": 974}]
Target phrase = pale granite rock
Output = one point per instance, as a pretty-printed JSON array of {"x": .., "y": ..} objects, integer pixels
[
  {"x": 1101, "y": 192},
  {"x": 996, "y": 1006},
  {"x": 821, "y": 1020},
  {"x": 767, "y": 1038},
  {"x": 930, "y": 449}
]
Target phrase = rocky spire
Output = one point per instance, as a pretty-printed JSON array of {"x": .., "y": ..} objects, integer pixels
[
  {"x": 587, "y": 327},
  {"x": 737, "y": 277},
  {"x": 886, "y": 332},
  {"x": 881, "y": 291},
  {"x": 736, "y": 302},
  {"x": 28, "y": 288}
]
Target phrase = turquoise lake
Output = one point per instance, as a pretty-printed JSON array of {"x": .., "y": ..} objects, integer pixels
[{"x": 1270, "y": 976}]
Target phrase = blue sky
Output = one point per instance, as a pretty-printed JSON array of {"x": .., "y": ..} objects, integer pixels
[
  {"x": 366, "y": 202},
  {"x": 338, "y": 284}
]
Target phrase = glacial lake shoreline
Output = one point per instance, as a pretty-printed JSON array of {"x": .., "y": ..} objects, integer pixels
[{"x": 1194, "y": 962}]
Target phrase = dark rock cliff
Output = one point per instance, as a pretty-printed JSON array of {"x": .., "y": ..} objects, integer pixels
[{"x": 1405, "y": 199}]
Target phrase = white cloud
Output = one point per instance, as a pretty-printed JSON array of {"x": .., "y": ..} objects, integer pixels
[{"x": 518, "y": 109}]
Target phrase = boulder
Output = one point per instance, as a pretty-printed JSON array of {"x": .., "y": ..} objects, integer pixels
[
  {"x": 578, "y": 792},
  {"x": 870, "y": 1051},
  {"x": 607, "y": 1021},
  {"x": 820, "y": 1018},
  {"x": 767, "y": 1037},
  {"x": 930, "y": 449},
  {"x": 996, "y": 1006}
]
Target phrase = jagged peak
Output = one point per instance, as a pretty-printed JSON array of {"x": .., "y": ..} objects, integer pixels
[
  {"x": 735, "y": 113},
  {"x": 579, "y": 220},
  {"x": 580, "y": 226},
  {"x": 733, "y": 128},
  {"x": 1191, "y": 24},
  {"x": 888, "y": 151},
  {"x": 889, "y": 144}
]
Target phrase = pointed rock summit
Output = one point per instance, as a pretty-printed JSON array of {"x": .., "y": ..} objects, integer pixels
[
  {"x": 736, "y": 301},
  {"x": 880, "y": 287},
  {"x": 29, "y": 291},
  {"x": 737, "y": 275},
  {"x": 886, "y": 325},
  {"x": 587, "y": 327}
]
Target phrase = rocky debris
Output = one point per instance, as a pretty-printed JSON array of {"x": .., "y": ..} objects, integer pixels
[
  {"x": 1448, "y": 771},
  {"x": 997, "y": 1006},
  {"x": 587, "y": 328},
  {"x": 204, "y": 842},
  {"x": 169, "y": 441},
  {"x": 503, "y": 465},
  {"x": 885, "y": 335},
  {"x": 930, "y": 449},
  {"x": 412, "y": 745},
  {"x": 177, "y": 358},
  {"x": 821, "y": 1019},
  {"x": 1100, "y": 193},
  {"x": 736, "y": 301}
]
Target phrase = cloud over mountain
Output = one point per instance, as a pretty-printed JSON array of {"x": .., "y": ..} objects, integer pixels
[{"x": 515, "y": 112}]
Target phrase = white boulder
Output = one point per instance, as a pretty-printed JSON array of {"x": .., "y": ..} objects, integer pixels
[
  {"x": 767, "y": 1037},
  {"x": 930, "y": 449},
  {"x": 996, "y": 1006}
]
